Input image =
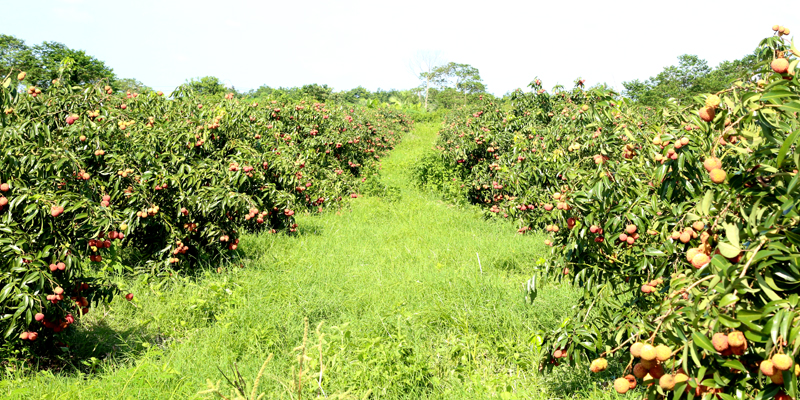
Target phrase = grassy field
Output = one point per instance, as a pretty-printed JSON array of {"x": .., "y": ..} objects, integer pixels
[{"x": 405, "y": 297}]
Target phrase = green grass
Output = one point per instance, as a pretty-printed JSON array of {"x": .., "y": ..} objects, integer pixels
[{"x": 406, "y": 307}]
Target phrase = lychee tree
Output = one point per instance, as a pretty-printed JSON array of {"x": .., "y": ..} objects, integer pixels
[
  {"x": 680, "y": 224},
  {"x": 90, "y": 179}
]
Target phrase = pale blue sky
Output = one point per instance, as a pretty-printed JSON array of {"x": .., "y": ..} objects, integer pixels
[{"x": 349, "y": 43}]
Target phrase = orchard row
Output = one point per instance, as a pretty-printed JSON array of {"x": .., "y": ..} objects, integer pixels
[
  {"x": 94, "y": 179},
  {"x": 680, "y": 224}
]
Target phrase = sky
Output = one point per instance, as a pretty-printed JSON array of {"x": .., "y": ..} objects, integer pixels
[{"x": 350, "y": 43}]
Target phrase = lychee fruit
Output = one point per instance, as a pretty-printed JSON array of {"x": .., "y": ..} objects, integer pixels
[
  {"x": 718, "y": 175},
  {"x": 712, "y": 163},
  {"x": 736, "y": 339},
  {"x": 667, "y": 382},
  {"x": 782, "y": 362},
  {"x": 699, "y": 260},
  {"x": 639, "y": 370},
  {"x": 663, "y": 353},
  {"x": 656, "y": 372},
  {"x": 767, "y": 368},
  {"x": 636, "y": 349},
  {"x": 720, "y": 342},
  {"x": 621, "y": 385},
  {"x": 707, "y": 114},
  {"x": 648, "y": 352},
  {"x": 598, "y": 365},
  {"x": 712, "y": 101},
  {"x": 780, "y": 65}
]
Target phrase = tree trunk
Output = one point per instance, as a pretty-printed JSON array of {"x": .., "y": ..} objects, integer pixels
[{"x": 427, "y": 84}]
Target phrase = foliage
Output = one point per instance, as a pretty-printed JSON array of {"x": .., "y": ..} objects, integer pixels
[
  {"x": 93, "y": 180},
  {"x": 680, "y": 223}
]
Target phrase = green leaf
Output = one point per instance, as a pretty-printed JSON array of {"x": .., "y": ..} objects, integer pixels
[
  {"x": 732, "y": 233},
  {"x": 728, "y": 250},
  {"x": 705, "y": 207},
  {"x": 791, "y": 107},
  {"x": 728, "y": 299},
  {"x": 703, "y": 341},
  {"x": 777, "y": 94},
  {"x": 787, "y": 144}
]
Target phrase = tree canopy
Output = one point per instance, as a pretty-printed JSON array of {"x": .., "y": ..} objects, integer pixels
[
  {"x": 690, "y": 77},
  {"x": 51, "y": 60}
]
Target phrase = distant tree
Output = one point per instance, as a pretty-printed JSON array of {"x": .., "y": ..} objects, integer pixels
[
  {"x": 690, "y": 77},
  {"x": 130, "y": 84},
  {"x": 464, "y": 78},
  {"x": 452, "y": 78},
  {"x": 317, "y": 92},
  {"x": 11, "y": 51},
  {"x": 207, "y": 85},
  {"x": 423, "y": 66},
  {"x": 355, "y": 94},
  {"x": 51, "y": 60},
  {"x": 728, "y": 72}
]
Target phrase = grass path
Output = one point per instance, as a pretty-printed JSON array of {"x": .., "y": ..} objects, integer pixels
[{"x": 396, "y": 283}]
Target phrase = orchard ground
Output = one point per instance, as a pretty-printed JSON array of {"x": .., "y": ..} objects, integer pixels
[{"x": 406, "y": 307}]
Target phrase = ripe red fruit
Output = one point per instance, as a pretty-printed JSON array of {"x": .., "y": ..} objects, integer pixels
[
  {"x": 129, "y": 296},
  {"x": 4, "y": 187},
  {"x": 38, "y": 317},
  {"x": 55, "y": 211},
  {"x": 61, "y": 266}
]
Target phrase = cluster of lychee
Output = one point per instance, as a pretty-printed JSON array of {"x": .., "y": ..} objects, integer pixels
[
  {"x": 124, "y": 172},
  {"x": 630, "y": 236},
  {"x": 629, "y": 151},
  {"x": 714, "y": 167},
  {"x": 781, "y": 30},
  {"x": 34, "y": 91},
  {"x": 108, "y": 89},
  {"x": 650, "y": 287},
  {"x": 3, "y": 202},
  {"x": 153, "y": 210},
  {"x": 259, "y": 216},
  {"x": 649, "y": 367},
  {"x": 733, "y": 343},
  {"x": 773, "y": 368},
  {"x": 599, "y": 159},
  {"x": 122, "y": 125},
  {"x": 232, "y": 245},
  {"x": 83, "y": 175}
]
